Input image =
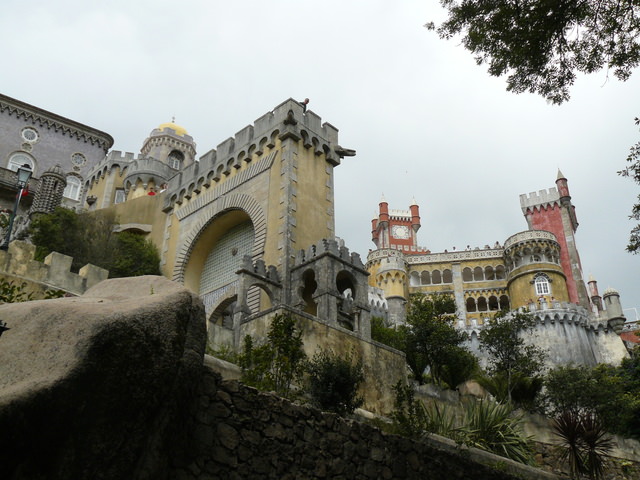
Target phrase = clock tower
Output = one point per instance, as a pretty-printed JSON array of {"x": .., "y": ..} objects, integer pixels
[{"x": 396, "y": 228}]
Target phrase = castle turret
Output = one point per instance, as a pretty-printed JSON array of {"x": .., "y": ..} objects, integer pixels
[
  {"x": 170, "y": 144},
  {"x": 552, "y": 210},
  {"x": 596, "y": 299},
  {"x": 415, "y": 216},
  {"x": 49, "y": 194},
  {"x": 615, "y": 317}
]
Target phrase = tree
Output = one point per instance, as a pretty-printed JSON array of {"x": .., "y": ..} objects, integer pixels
[
  {"x": 333, "y": 382},
  {"x": 431, "y": 338},
  {"x": 509, "y": 353},
  {"x": 633, "y": 172},
  {"x": 89, "y": 238},
  {"x": 542, "y": 44},
  {"x": 276, "y": 364}
]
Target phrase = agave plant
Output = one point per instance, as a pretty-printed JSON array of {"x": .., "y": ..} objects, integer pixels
[{"x": 495, "y": 427}]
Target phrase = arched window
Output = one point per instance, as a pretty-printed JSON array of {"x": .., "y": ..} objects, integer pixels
[
  {"x": 20, "y": 159},
  {"x": 467, "y": 275},
  {"x": 447, "y": 276},
  {"x": 414, "y": 279},
  {"x": 478, "y": 274},
  {"x": 542, "y": 284},
  {"x": 500, "y": 272},
  {"x": 175, "y": 159},
  {"x": 493, "y": 303},
  {"x": 425, "y": 277},
  {"x": 504, "y": 302},
  {"x": 435, "y": 277},
  {"x": 482, "y": 304},
  {"x": 489, "y": 274},
  {"x": 72, "y": 190},
  {"x": 471, "y": 304}
]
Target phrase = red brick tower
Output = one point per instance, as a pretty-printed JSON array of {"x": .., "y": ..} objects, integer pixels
[
  {"x": 396, "y": 229},
  {"x": 553, "y": 211}
]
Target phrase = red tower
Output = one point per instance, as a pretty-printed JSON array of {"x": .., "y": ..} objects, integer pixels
[
  {"x": 553, "y": 211},
  {"x": 396, "y": 228}
]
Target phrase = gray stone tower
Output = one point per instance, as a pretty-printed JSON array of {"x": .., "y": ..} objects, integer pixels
[{"x": 49, "y": 194}]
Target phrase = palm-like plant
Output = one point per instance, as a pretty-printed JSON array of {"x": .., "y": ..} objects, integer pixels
[{"x": 584, "y": 441}]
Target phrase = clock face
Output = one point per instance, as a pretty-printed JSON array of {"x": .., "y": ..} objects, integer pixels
[{"x": 400, "y": 231}]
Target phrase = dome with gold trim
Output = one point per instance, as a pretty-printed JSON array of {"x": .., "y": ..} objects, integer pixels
[{"x": 173, "y": 126}]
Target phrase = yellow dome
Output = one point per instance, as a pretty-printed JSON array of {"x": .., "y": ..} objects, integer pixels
[{"x": 176, "y": 128}]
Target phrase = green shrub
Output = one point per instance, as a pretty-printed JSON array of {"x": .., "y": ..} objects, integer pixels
[
  {"x": 279, "y": 362},
  {"x": 11, "y": 292},
  {"x": 333, "y": 382}
]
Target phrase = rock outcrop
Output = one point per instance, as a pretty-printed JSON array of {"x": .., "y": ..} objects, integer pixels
[{"x": 98, "y": 386}]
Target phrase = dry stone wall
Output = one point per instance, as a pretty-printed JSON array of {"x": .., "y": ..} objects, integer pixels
[{"x": 240, "y": 433}]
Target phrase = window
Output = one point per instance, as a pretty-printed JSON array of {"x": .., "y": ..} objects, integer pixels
[
  {"x": 120, "y": 196},
  {"x": 542, "y": 285},
  {"x": 175, "y": 159},
  {"x": 30, "y": 135},
  {"x": 72, "y": 190},
  {"x": 78, "y": 159},
  {"x": 20, "y": 159}
]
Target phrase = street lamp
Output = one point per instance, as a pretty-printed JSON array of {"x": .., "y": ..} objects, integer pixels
[{"x": 24, "y": 174}]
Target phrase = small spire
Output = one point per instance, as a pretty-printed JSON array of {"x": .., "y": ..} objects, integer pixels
[
  {"x": 560, "y": 175},
  {"x": 413, "y": 200},
  {"x": 591, "y": 279},
  {"x": 382, "y": 199}
]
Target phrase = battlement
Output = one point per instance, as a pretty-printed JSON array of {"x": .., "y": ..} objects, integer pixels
[
  {"x": 260, "y": 269},
  {"x": 329, "y": 247},
  {"x": 542, "y": 198},
  {"x": 400, "y": 214},
  {"x": 53, "y": 273},
  {"x": 287, "y": 120}
]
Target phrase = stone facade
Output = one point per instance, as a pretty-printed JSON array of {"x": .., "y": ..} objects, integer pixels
[
  {"x": 537, "y": 270},
  {"x": 42, "y": 140}
]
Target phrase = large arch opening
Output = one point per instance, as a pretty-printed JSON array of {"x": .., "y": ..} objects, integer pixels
[{"x": 218, "y": 254}]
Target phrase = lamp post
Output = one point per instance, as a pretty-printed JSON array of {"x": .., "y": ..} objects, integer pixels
[{"x": 24, "y": 174}]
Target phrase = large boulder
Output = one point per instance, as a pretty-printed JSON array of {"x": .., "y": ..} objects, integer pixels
[{"x": 99, "y": 386}]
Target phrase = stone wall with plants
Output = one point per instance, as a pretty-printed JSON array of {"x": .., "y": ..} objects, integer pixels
[{"x": 238, "y": 432}]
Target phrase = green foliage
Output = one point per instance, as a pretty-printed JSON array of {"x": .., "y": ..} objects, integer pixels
[
  {"x": 524, "y": 390},
  {"x": 11, "y": 292},
  {"x": 611, "y": 393},
  {"x": 541, "y": 45},
  {"x": 508, "y": 353},
  {"x": 89, "y": 238},
  {"x": 458, "y": 366},
  {"x": 409, "y": 415},
  {"x": 494, "y": 427},
  {"x": 394, "y": 337},
  {"x": 279, "y": 362},
  {"x": 486, "y": 425},
  {"x": 223, "y": 352},
  {"x": 633, "y": 171},
  {"x": 584, "y": 442},
  {"x": 135, "y": 256},
  {"x": 431, "y": 340},
  {"x": 51, "y": 294},
  {"x": 333, "y": 382}
]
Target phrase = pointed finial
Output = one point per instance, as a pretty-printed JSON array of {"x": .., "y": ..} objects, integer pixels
[
  {"x": 413, "y": 200},
  {"x": 591, "y": 279},
  {"x": 382, "y": 199},
  {"x": 173, "y": 119},
  {"x": 560, "y": 175}
]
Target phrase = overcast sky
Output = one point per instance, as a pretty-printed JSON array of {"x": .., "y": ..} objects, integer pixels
[{"x": 425, "y": 120}]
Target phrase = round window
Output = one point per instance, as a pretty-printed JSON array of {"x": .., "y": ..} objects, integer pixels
[
  {"x": 78, "y": 159},
  {"x": 30, "y": 135}
]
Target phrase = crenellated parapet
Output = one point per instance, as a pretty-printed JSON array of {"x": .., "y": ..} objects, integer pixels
[
  {"x": 330, "y": 282},
  {"x": 539, "y": 200},
  {"x": 54, "y": 273},
  {"x": 289, "y": 120},
  {"x": 115, "y": 159},
  {"x": 147, "y": 170}
]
